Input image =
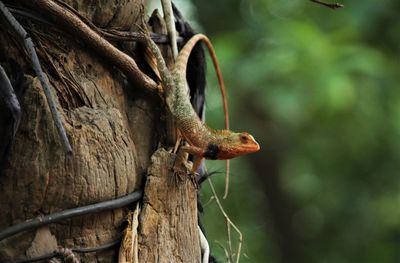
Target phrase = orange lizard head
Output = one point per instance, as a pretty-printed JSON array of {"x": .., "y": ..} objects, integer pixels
[{"x": 232, "y": 145}]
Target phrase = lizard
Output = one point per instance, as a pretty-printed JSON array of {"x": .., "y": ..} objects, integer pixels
[
  {"x": 203, "y": 141},
  {"x": 195, "y": 75}
]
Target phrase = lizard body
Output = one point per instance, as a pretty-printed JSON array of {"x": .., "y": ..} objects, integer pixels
[{"x": 203, "y": 141}]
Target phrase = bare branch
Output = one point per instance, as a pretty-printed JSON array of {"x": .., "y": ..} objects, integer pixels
[
  {"x": 10, "y": 100},
  {"x": 73, "y": 212},
  {"x": 330, "y": 5},
  {"x": 24, "y": 37},
  {"x": 229, "y": 224}
]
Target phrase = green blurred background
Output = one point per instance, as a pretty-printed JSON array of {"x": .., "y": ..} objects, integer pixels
[{"x": 318, "y": 89}]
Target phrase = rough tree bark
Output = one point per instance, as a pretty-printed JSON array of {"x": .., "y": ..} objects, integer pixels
[{"x": 114, "y": 128}]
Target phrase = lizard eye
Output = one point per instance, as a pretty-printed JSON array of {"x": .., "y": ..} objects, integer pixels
[{"x": 244, "y": 138}]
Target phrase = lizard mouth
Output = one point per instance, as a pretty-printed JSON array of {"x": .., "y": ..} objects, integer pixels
[
  {"x": 244, "y": 149},
  {"x": 255, "y": 145},
  {"x": 251, "y": 147}
]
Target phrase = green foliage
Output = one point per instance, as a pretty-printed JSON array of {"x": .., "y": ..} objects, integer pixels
[{"x": 317, "y": 88}]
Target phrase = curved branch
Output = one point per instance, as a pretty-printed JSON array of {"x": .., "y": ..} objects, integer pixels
[
  {"x": 330, "y": 5},
  {"x": 73, "y": 212},
  {"x": 72, "y": 23},
  {"x": 9, "y": 99}
]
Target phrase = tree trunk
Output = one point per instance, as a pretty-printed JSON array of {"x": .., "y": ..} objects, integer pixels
[{"x": 114, "y": 127}]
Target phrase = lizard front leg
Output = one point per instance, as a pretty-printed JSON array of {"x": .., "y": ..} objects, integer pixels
[
  {"x": 193, "y": 150},
  {"x": 180, "y": 168}
]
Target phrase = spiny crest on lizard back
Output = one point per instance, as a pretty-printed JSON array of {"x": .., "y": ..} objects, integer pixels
[
  {"x": 203, "y": 142},
  {"x": 222, "y": 133}
]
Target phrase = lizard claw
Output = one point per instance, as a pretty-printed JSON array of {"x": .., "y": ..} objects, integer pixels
[
  {"x": 193, "y": 179},
  {"x": 181, "y": 173},
  {"x": 182, "y": 170}
]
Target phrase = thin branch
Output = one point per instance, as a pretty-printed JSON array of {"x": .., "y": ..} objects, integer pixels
[
  {"x": 229, "y": 222},
  {"x": 10, "y": 100},
  {"x": 110, "y": 34},
  {"x": 113, "y": 34},
  {"x": 169, "y": 21},
  {"x": 224, "y": 249},
  {"x": 227, "y": 175},
  {"x": 23, "y": 35},
  {"x": 228, "y": 228},
  {"x": 330, "y": 5},
  {"x": 29, "y": 14},
  {"x": 73, "y": 212}
]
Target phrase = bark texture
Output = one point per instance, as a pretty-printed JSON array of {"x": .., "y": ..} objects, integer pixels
[
  {"x": 169, "y": 215},
  {"x": 114, "y": 128}
]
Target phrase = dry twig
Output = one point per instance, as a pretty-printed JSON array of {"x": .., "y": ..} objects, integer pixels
[
  {"x": 330, "y": 5},
  {"x": 229, "y": 225},
  {"x": 28, "y": 44}
]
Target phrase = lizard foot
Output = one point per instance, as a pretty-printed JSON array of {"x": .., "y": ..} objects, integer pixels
[
  {"x": 182, "y": 169},
  {"x": 193, "y": 179},
  {"x": 179, "y": 174}
]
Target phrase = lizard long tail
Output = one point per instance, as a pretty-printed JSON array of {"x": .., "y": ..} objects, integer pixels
[{"x": 182, "y": 60}]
